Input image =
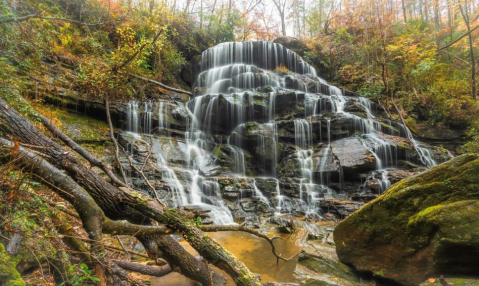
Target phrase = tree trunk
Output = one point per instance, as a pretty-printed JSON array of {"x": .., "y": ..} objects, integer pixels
[
  {"x": 465, "y": 16},
  {"x": 404, "y": 11},
  {"x": 167, "y": 247}
]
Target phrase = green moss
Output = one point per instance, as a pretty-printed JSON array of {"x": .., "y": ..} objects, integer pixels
[
  {"x": 217, "y": 151},
  {"x": 8, "y": 271},
  {"x": 422, "y": 213},
  {"x": 425, "y": 214},
  {"x": 379, "y": 273},
  {"x": 389, "y": 127},
  {"x": 411, "y": 124}
]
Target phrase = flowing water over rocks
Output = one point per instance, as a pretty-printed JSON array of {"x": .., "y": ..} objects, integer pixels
[{"x": 264, "y": 135}]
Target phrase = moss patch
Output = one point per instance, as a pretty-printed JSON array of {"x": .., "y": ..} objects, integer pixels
[
  {"x": 8, "y": 271},
  {"x": 410, "y": 230}
]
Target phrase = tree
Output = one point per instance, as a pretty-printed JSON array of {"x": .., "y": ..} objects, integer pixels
[
  {"x": 281, "y": 5},
  {"x": 465, "y": 17}
]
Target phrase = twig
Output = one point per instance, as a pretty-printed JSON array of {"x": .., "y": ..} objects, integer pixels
[
  {"x": 143, "y": 176},
  {"x": 121, "y": 243},
  {"x": 160, "y": 84},
  {"x": 213, "y": 228},
  {"x": 457, "y": 40},
  {"x": 112, "y": 136},
  {"x": 125, "y": 63},
  {"x": 147, "y": 155}
]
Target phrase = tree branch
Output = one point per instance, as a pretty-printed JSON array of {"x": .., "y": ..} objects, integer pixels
[
  {"x": 123, "y": 203},
  {"x": 113, "y": 139},
  {"x": 144, "y": 269},
  {"x": 129, "y": 60},
  {"x": 457, "y": 40},
  {"x": 115, "y": 269},
  {"x": 36, "y": 16},
  {"x": 160, "y": 84},
  {"x": 127, "y": 228}
]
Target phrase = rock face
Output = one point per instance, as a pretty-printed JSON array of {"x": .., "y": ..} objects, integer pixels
[{"x": 422, "y": 226}]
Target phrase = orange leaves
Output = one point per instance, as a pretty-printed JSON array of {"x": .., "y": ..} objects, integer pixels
[
  {"x": 15, "y": 149},
  {"x": 12, "y": 194}
]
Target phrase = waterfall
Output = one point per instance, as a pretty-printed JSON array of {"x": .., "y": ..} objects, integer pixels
[
  {"x": 250, "y": 99},
  {"x": 132, "y": 116}
]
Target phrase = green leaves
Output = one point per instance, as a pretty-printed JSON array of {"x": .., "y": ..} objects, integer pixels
[{"x": 80, "y": 275}]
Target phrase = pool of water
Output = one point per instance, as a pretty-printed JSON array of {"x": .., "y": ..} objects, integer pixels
[{"x": 253, "y": 251}]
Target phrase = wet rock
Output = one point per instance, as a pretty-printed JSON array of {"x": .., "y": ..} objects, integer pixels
[
  {"x": 210, "y": 171},
  {"x": 422, "y": 225},
  {"x": 326, "y": 166},
  {"x": 450, "y": 138},
  {"x": 353, "y": 156},
  {"x": 231, "y": 192},
  {"x": 314, "y": 231},
  {"x": 319, "y": 265},
  {"x": 397, "y": 175},
  {"x": 341, "y": 208},
  {"x": 330, "y": 217},
  {"x": 366, "y": 197},
  {"x": 267, "y": 186}
]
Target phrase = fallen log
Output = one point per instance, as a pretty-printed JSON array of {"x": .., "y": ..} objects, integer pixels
[{"x": 123, "y": 203}]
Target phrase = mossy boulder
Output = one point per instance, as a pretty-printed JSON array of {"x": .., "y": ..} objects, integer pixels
[
  {"x": 8, "y": 271},
  {"x": 421, "y": 227}
]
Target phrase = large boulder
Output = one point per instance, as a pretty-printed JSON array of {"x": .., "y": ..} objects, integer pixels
[{"x": 422, "y": 226}]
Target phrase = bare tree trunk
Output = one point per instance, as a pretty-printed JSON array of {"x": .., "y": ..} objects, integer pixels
[
  {"x": 465, "y": 16},
  {"x": 404, "y": 11}
]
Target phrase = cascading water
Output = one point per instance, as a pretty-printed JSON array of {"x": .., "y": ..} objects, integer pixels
[{"x": 238, "y": 125}]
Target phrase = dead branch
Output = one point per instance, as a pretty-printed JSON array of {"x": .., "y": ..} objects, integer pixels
[
  {"x": 36, "y": 16},
  {"x": 144, "y": 269},
  {"x": 143, "y": 176},
  {"x": 160, "y": 84},
  {"x": 115, "y": 269},
  {"x": 126, "y": 228},
  {"x": 115, "y": 142},
  {"x": 181, "y": 260},
  {"x": 405, "y": 126},
  {"x": 458, "y": 39}
]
